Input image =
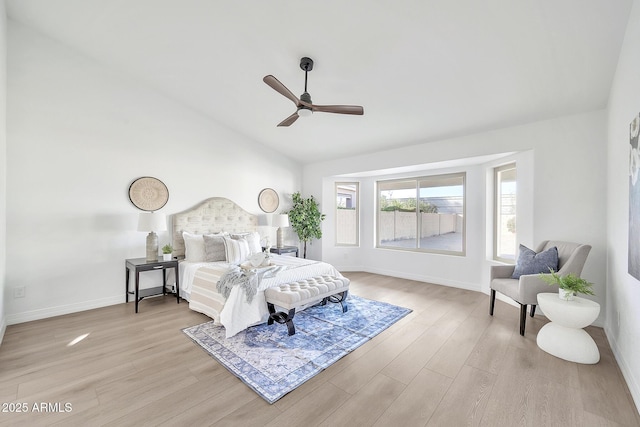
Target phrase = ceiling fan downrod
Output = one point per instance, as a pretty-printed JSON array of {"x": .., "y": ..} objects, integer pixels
[{"x": 307, "y": 65}]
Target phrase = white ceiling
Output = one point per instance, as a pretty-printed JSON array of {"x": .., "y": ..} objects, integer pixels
[{"x": 424, "y": 70}]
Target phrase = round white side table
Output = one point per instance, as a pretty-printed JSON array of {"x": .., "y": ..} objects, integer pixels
[{"x": 564, "y": 337}]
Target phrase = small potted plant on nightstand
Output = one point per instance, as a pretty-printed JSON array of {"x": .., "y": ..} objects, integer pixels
[
  {"x": 167, "y": 251},
  {"x": 569, "y": 285}
]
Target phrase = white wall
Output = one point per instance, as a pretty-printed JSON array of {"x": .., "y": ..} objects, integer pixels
[
  {"x": 3, "y": 164},
  {"x": 78, "y": 135},
  {"x": 623, "y": 291},
  {"x": 561, "y": 181}
]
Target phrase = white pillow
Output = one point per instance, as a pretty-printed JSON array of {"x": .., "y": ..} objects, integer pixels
[
  {"x": 237, "y": 250},
  {"x": 253, "y": 240},
  {"x": 193, "y": 247}
]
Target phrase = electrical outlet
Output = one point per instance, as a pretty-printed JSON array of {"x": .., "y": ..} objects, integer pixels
[{"x": 18, "y": 292}]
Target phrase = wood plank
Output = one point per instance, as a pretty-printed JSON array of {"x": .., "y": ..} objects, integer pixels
[
  {"x": 465, "y": 401},
  {"x": 413, "y": 359},
  {"x": 511, "y": 395},
  {"x": 368, "y": 366},
  {"x": 314, "y": 407},
  {"x": 419, "y": 400},
  {"x": 452, "y": 355},
  {"x": 367, "y": 404},
  {"x": 489, "y": 352}
]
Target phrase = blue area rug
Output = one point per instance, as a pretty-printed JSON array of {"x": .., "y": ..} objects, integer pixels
[{"x": 272, "y": 363}]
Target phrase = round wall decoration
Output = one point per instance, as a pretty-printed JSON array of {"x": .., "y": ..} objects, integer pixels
[
  {"x": 268, "y": 200},
  {"x": 148, "y": 193}
]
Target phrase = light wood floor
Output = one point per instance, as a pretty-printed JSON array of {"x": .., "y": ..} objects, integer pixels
[{"x": 446, "y": 364}]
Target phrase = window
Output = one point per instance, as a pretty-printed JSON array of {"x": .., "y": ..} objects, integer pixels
[
  {"x": 424, "y": 214},
  {"x": 347, "y": 213},
  {"x": 505, "y": 213}
]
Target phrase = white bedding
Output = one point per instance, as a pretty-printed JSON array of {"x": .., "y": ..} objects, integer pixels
[{"x": 198, "y": 285}]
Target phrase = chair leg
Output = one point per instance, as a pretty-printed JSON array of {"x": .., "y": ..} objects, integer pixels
[
  {"x": 533, "y": 310},
  {"x": 492, "y": 301},
  {"x": 523, "y": 317}
]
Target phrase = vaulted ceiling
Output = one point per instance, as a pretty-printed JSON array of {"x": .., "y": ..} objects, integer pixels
[{"x": 424, "y": 70}]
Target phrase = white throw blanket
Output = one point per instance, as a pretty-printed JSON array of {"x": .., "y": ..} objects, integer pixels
[{"x": 248, "y": 280}]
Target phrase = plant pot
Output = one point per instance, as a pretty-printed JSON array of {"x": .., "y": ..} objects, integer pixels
[
  {"x": 565, "y": 294},
  {"x": 166, "y": 257}
]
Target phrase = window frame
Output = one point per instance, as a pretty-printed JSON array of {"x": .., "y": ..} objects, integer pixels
[
  {"x": 497, "y": 209},
  {"x": 357, "y": 213},
  {"x": 418, "y": 180}
]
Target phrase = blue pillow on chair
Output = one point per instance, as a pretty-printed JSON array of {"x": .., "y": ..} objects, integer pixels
[{"x": 529, "y": 262}]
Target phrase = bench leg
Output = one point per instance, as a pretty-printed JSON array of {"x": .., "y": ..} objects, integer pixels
[
  {"x": 282, "y": 318},
  {"x": 341, "y": 300},
  {"x": 290, "y": 328},
  {"x": 272, "y": 311}
]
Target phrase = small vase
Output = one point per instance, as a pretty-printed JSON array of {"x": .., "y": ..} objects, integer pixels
[
  {"x": 565, "y": 294},
  {"x": 166, "y": 257}
]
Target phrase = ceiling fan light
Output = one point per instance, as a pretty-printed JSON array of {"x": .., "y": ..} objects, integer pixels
[{"x": 304, "y": 112}]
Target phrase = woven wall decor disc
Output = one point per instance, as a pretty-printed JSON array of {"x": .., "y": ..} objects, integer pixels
[
  {"x": 268, "y": 200},
  {"x": 148, "y": 193}
]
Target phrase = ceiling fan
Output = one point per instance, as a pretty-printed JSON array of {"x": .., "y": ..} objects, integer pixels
[{"x": 304, "y": 105}]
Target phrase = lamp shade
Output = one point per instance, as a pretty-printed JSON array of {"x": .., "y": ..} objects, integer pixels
[
  {"x": 152, "y": 221},
  {"x": 281, "y": 220}
]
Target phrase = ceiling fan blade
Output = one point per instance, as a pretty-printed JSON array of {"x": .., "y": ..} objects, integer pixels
[
  {"x": 280, "y": 88},
  {"x": 339, "y": 109},
  {"x": 289, "y": 120}
]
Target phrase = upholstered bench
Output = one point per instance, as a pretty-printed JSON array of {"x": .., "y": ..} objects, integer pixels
[{"x": 290, "y": 296}]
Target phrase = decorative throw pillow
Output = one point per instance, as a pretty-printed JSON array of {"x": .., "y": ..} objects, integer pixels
[
  {"x": 253, "y": 240},
  {"x": 193, "y": 247},
  {"x": 214, "y": 248},
  {"x": 237, "y": 250},
  {"x": 530, "y": 262}
]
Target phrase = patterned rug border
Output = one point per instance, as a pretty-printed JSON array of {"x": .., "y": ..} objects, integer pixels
[{"x": 270, "y": 390}]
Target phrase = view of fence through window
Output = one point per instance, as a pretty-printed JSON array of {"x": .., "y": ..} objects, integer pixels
[
  {"x": 505, "y": 209},
  {"x": 347, "y": 213},
  {"x": 425, "y": 213}
]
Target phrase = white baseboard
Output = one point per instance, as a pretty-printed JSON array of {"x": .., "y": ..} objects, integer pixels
[
  {"x": 3, "y": 328},
  {"x": 417, "y": 277},
  {"x": 632, "y": 382},
  {"x": 44, "y": 313},
  {"x": 344, "y": 268}
]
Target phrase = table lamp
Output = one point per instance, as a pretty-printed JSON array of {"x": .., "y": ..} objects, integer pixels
[
  {"x": 152, "y": 222},
  {"x": 281, "y": 221}
]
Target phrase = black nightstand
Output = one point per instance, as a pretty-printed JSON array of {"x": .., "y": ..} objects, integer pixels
[
  {"x": 285, "y": 250},
  {"x": 141, "y": 264}
]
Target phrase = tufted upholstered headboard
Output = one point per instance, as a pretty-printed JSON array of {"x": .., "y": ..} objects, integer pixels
[{"x": 211, "y": 216}]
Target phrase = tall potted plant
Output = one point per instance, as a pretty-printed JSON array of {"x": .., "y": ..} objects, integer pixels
[{"x": 305, "y": 218}]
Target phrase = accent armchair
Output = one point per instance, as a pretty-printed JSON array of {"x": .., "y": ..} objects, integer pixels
[{"x": 525, "y": 290}]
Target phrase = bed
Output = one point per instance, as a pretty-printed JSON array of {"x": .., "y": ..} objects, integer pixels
[{"x": 219, "y": 220}]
